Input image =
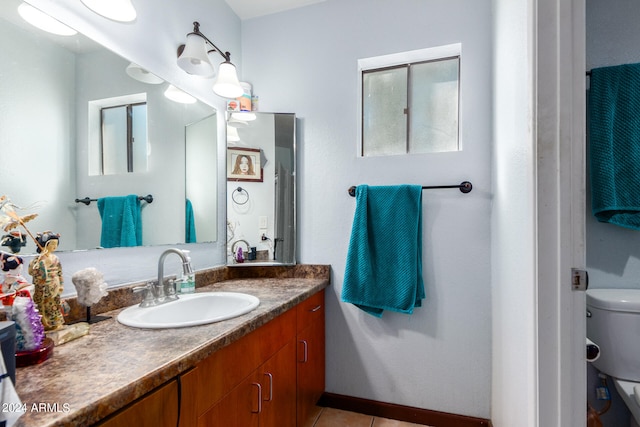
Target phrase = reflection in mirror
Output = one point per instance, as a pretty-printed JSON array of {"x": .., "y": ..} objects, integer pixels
[
  {"x": 261, "y": 212},
  {"x": 200, "y": 181},
  {"x": 123, "y": 145},
  {"x": 54, "y": 141}
]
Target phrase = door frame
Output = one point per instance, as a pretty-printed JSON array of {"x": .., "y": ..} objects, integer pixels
[{"x": 561, "y": 197}]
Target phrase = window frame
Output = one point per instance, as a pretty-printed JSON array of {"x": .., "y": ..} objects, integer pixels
[
  {"x": 406, "y": 59},
  {"x": 94, "y": 128},
  {"x": 129, "y": 130}
]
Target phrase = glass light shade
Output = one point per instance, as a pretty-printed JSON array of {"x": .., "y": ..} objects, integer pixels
[
  {"x": 138, "y": 73},
  {"x": 245, "y": 116},
  {"x": 213, "y": 56},
  {"x": 227, "y": 84},
  {"x": 118, "y": 10},
  {"x": 232, "y": 134},
  {"x": 194, "y": 58},
  {"x": 176, "y": 95},
  {"x": 41, "y": 20},
  {"x": 233, "y": 122}
]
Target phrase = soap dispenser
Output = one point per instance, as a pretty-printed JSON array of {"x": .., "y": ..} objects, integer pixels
[{"x": 188, "y": 281}]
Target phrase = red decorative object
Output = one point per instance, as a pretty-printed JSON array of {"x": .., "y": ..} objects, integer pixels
[{"x": 33, "y": 357}]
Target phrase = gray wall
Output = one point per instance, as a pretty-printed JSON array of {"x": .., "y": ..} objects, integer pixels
[{"x": 305, "y": 61}]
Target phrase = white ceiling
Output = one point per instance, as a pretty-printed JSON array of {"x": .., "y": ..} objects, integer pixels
[{"x": 247, "y": 9}]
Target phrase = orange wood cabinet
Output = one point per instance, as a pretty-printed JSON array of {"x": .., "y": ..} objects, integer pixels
[
  {"x": 266, "y": 398},
  {"x": 311, "y": 355},
  {"x": 159, "y": 408}
]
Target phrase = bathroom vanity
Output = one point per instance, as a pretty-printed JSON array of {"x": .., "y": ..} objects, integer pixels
[{"x": 263, "y": 368}]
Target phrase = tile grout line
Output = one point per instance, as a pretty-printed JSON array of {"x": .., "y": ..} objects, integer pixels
[{"x": 318, "y": 417}]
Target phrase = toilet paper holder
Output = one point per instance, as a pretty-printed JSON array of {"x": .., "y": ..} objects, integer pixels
[{"x": 593, "y": 351}]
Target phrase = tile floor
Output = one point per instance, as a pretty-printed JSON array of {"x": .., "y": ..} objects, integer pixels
[{"x": 330, "y": 417}]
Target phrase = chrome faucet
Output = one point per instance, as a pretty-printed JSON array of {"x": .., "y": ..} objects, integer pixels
[
  {"x": 186, "y": 269},
  {"x": 160, "y": 292}
]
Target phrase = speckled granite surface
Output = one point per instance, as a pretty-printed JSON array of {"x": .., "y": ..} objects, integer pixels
[{"x": 91, "y": 377}]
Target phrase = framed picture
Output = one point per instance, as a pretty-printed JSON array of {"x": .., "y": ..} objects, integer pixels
[{"x": 243, "y": 164}]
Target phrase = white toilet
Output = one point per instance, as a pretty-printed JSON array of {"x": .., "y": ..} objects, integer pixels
[{"x": 613, "y": 323}]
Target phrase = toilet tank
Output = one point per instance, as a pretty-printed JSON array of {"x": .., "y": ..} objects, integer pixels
[{"x": 613, "y": 323}]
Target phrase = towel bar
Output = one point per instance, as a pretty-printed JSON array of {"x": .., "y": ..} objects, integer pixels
[
  {"x": 87, "y": 201},
  {"x": 464, "y": 186}
]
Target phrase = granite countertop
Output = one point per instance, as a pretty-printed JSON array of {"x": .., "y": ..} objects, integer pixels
[{"x": 91, "y": 377}]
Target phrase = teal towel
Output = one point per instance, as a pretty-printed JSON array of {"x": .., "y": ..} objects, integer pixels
[
  {"x": 190, "y": 224},
  {"x": 614, "y": 144},
  {"x": 384, "y": 260},
  {"x": 121, "y": 221}
]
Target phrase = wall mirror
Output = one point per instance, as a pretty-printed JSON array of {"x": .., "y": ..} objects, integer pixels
[
  {"x": 50, "y": 134},
  {"x": 261, "y": 190}
]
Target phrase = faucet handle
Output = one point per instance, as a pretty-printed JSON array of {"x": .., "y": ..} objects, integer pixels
[
  {"x": 148, "y": 299},
  {"x": 170, "y": 293}
]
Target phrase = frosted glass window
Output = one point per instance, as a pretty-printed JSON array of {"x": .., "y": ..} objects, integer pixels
[
  {"x": 434, "y": 107},
  {"x": 410, "y": 107},
  {"x": 124, "y": 139},
  {"x": 139, "y": 137},
  {"x": 384, "y": 122},
  {"x": 114, "y": 136}
]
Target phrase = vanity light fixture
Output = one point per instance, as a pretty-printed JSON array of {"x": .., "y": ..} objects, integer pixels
[
  {"x": 232, "y": 134},
  {"x": 41, "y": 20},
  {"x": 194, "y": 57},
  {"x": 136, "y": 72},
  {"x": 176, "y": 95},
  {"x": 117, "y": 10}
]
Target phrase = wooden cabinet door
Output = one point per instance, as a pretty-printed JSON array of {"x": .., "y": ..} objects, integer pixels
[
  {"x": 279, "y": 389},
  {"x": 188, "y": 404},
  {"x": 310, "y": 356},
  {"x": 266, "y": 398},
  {"x": 159, "y": 408},
  {"x": 226, "y": 368},
  {"x": 241, "y": 407}
]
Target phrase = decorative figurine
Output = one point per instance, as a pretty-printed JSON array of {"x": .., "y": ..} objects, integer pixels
[
  {"x": 47, "y": 279},
  {"x": 15, "y": 240},
  {"x": 13, "y": 283},
  {"x": 10, "y": 219},
  {"x": 17, "y": 302}
]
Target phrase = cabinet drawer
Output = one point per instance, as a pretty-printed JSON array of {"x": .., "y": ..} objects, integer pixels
[{"x": 310, "y": 310}]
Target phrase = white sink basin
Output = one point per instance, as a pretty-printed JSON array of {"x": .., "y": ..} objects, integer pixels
[{"x": 190, "y": 310}]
